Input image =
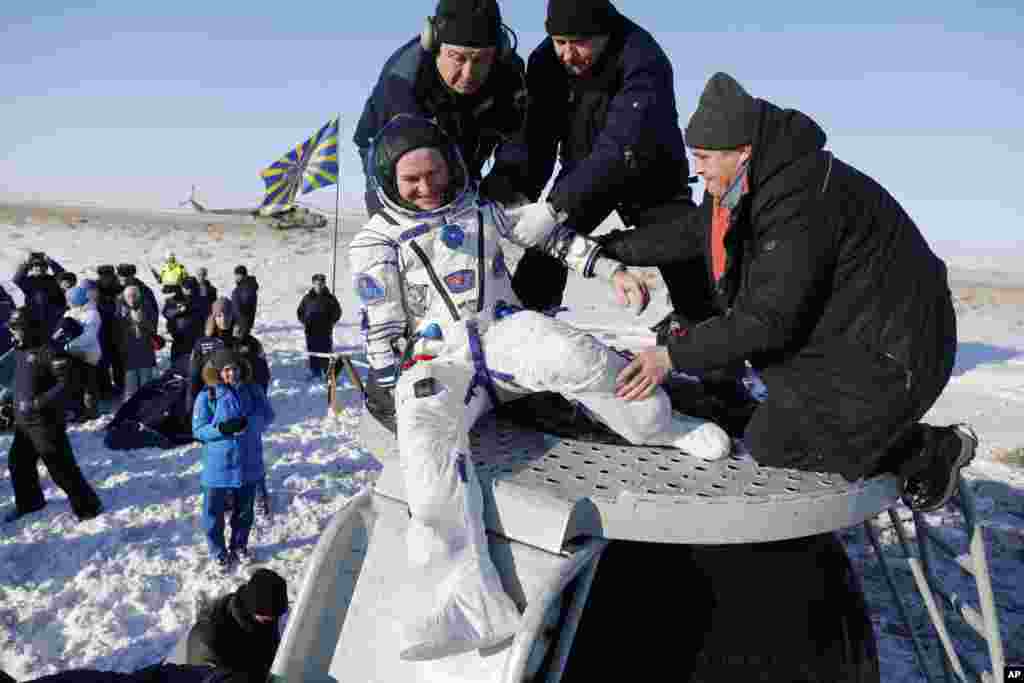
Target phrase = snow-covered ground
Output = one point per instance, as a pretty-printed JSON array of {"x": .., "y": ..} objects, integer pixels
[{"x": 118, "y": 591}]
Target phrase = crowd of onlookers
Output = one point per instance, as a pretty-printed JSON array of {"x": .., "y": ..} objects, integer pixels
[
  {"x": 109, "y": 325},
  {"x": 75, "y": 344}
]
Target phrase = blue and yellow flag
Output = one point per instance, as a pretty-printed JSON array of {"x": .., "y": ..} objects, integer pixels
[{"x": 312, "y": 164}]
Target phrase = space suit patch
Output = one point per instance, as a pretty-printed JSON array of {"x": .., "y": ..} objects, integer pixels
[
  {"x": 453, "y": 236},
  {"x": 460, "y": 281},
  {"x": 414, "y": 232},
  {"x": 369, "y": 289},
  {"x": 499, "y": 264}
]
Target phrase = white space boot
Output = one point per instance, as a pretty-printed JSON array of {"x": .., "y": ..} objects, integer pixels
[
  {"x": 699, "y": 437},
  {"x": 470, "y": 609},
  {"x": 471, "y": 612}
]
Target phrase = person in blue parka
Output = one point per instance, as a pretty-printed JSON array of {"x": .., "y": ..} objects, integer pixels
[{"x": 229, "y": 417}]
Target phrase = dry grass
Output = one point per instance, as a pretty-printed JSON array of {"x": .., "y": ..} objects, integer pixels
[
  {"x": 1010, "y": 456},
  {"x": 977, "y": 295}
]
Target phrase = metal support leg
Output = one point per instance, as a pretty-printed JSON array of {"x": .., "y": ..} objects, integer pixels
[
  {"x": 900, "y": 605},
  {"x": 975, "y": 563}
]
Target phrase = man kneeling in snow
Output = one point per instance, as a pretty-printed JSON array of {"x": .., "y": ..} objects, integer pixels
[
  {"x": 439, "y": 305},
  {"x": 239, "y": 631}
]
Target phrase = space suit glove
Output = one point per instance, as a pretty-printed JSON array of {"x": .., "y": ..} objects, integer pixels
[{"x": 533, "y": 223}]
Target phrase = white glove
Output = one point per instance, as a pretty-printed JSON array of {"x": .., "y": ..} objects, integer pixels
[{"x": 532, "y": 223}]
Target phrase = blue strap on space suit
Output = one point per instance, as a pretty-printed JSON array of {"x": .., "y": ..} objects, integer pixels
[{"x": 482, "y": 374}]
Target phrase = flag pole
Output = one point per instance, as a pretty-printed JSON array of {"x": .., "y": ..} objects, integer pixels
[{"x": 337, "y": 216}]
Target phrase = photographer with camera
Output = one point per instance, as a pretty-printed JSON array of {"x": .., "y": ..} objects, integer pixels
[{"x": 44, "y": 297}]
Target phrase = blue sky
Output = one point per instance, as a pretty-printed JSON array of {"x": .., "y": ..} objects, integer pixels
[{"x": 129, "y": 103}]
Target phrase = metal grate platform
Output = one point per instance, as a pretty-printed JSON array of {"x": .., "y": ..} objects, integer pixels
[{"x": 657, "y": 493}]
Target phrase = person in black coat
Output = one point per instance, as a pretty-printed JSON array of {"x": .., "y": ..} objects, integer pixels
[
  {"x": 43, "y": 294},
  {"x": 239, "y": 631},
  {"x": 199, "y": 301},
  {"x": 126, "y": 276},
  {"x": 825, "y": 285},
  {"x": 111, "y": 370},
  {"x": 319, "y": 311},
  {"x": 464, "y": 74},
  {"x": 41, "y": 384},
  {"x": 184, "y": 324},
  {"x": 244, "y": 298},
  {"x": 206, "y": 288},
  {"x": 602, "y": 102}
]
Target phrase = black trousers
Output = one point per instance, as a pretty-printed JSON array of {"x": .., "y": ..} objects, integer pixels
[
  {"x": 783, "y": 611},
  {"x": 319, "y": 342},
  {"x": 50, "y": 444},
  {"x": 86, "y": 382}
]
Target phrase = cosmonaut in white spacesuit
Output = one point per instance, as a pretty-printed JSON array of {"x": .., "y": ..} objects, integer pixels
[{"x": 438, "y": 301}]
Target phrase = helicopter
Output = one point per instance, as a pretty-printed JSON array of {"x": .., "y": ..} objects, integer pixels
[{"x": 278, "y": 217}]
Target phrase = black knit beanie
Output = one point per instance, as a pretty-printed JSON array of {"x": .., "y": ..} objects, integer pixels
[
  {"x": 266, "y": 594},
  {"x": 581, "y": 18},
  {"x": 469, "y": 23},
  {"x": 726, "y": 116}
]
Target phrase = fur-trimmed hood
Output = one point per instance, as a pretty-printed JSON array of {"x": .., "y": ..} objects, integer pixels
[{"x": 211, "y": 369}]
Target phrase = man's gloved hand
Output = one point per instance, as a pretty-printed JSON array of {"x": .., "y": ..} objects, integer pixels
[
  {"x": 234, "y": 425},
  {"x": 532, "y": 223}
]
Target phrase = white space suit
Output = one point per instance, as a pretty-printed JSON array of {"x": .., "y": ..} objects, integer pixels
[{"x": 440, "y": 280}]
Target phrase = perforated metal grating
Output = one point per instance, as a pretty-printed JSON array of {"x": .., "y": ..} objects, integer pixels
[
  {"x": 577, "y": 469},
  {"x": 572, "y": 469}
]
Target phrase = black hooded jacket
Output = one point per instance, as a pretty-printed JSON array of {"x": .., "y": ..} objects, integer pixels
[
  {"x": 829, "y": 290},
  {"x": 226, "y": 636}
]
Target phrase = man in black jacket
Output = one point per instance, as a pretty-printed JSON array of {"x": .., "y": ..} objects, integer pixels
[
  {"x": 244, "y": 298},
  {"x": 40, "y": 390},
  {"x": 184, "y": 325},
  {"x": 464, "y": 73},
  {"x": 825, "y": 285},
  {"x": 602, "y": 101},
  {"x": 239, "y": 631},
  {"x": 319, "y": 311},
  {"x": 43, "y": 294}
]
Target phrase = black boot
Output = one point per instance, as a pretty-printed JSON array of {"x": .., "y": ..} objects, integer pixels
[{"x": 945, "y": 451}]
